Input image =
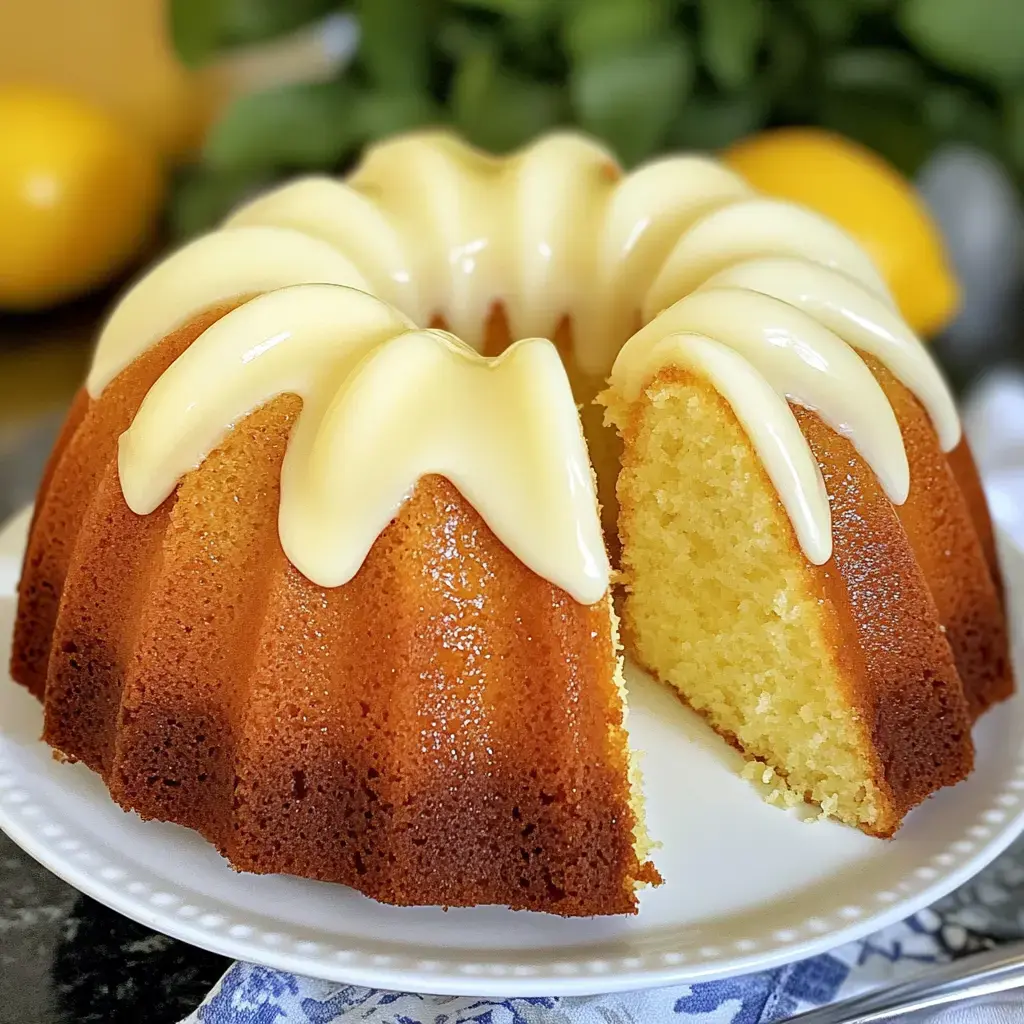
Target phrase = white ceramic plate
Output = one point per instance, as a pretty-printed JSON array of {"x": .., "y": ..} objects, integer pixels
[{"x": 747, "y": 886}]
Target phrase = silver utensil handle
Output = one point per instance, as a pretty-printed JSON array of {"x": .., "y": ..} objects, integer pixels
[{"x": 972, "y": 977}]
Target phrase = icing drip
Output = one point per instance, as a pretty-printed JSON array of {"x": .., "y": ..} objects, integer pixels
[
  {"x": 769, "y": 422},
  {"x": 752, "y": 228},
  {"x": 213, "y": 269},
  {"x": 860, "y": 318},
  {"x": 445, "y": 233},
  {"x": 646, "y": 215},
  {"x": 350, "y": 223},
  {"x": 438, "y": 194},
  {"x": 383, "y": 405},
  {"x": 802, "y": 360}
]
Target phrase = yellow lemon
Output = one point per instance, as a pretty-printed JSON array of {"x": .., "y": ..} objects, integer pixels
[
  {"x": 860, "y": 191},
  {"x": 117, "y": 54},
  {"x": 79, "y": 196}
]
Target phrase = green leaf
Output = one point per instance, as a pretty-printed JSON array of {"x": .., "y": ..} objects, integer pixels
[
  {"x": 786, "y": 71},
  {"x": 195, "y": 28},
  {"x": 875, "y": 70},
  {"x": 713, "y": 122},
  {"x": 730, "y": 36},
  {"x": 512, "y": 8},
  {"x": 249, "y": 21},
  {"x": 473, "y": 81},
  {"x": 304, "y": 125},
  {"x": 497, "y": 108},
  {"x": 595, "y": 27},
  {"x": 631, "y": 98},
  {"x": 979, "y": 37},
  {"x": 955, "y": 114},
  {"x": 894, "y": 129},
  {"x": 457, "y": 37},
  {"x": 394, "y": 42},
  {"x": 202, "y": 198},
  {"x": 519, "y": 109},
  {"x": 1013, "y": 116},
  {"x": 832, "y": 20},
  {"x": 531, "y": 39},
  {"x": 379, "y": 114}
]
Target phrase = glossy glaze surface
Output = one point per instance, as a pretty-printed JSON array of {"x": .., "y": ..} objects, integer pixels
[
  {"x": 556, "y": 231},
  {"x": 383, "y": 406}
]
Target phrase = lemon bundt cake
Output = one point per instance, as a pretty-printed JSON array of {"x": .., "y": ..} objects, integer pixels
[{"x": 330, "y": 587}]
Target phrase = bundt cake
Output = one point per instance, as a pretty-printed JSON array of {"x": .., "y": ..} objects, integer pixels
[{"x": 311, "y": 575}]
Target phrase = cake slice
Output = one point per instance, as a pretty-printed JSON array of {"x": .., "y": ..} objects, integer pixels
[{"x": 837, "y": 675}]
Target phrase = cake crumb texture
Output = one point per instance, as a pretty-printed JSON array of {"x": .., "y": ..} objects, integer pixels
[{"x": 837, "y": 677}]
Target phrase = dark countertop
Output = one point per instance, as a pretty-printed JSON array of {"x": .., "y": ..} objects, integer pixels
[{"x": 66, "y": 959}]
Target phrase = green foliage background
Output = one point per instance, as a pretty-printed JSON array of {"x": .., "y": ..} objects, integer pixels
[{"x": 644, "y": 75}]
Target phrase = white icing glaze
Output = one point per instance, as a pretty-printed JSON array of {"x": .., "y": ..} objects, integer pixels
[
  {"x": 504, "y": 430},
  {"x": 351, "y": 223},
  {"x": 437, "y": 194},
  {"x": 860, "y": 318},
  {"x": 442, "y": 230},
  {"x": 802, "y": 360},
  {"x": 756, "y": 227},
  {"x": 559, "y": 190},
  {"x": 770, "y": 424},
  {"x": 215, "y": 268},
  {"x": 383, "y": 405},
  {"x": 646, "y": 215}
]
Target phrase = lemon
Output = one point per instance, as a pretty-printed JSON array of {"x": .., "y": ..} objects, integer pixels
[
  {"x": 79, "y": 195},
  {"x": 869, "y": 198}
]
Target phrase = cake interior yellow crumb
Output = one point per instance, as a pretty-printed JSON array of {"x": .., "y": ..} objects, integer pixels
[
  {"x": 642, "y": 842},
  {"x": 721, "y": 604}
]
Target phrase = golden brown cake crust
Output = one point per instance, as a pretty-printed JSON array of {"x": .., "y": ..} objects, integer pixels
[
  {"x": 444, "y": 729},
  {"x": 961, "y": 462},
  {"x": 906, "y": 684},
  {"x": 942, "y": 528},
  {"x": 86, "y": 446}
]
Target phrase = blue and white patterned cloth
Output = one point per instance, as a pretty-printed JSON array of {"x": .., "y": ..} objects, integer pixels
[{"x": 985, "y": 912}]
